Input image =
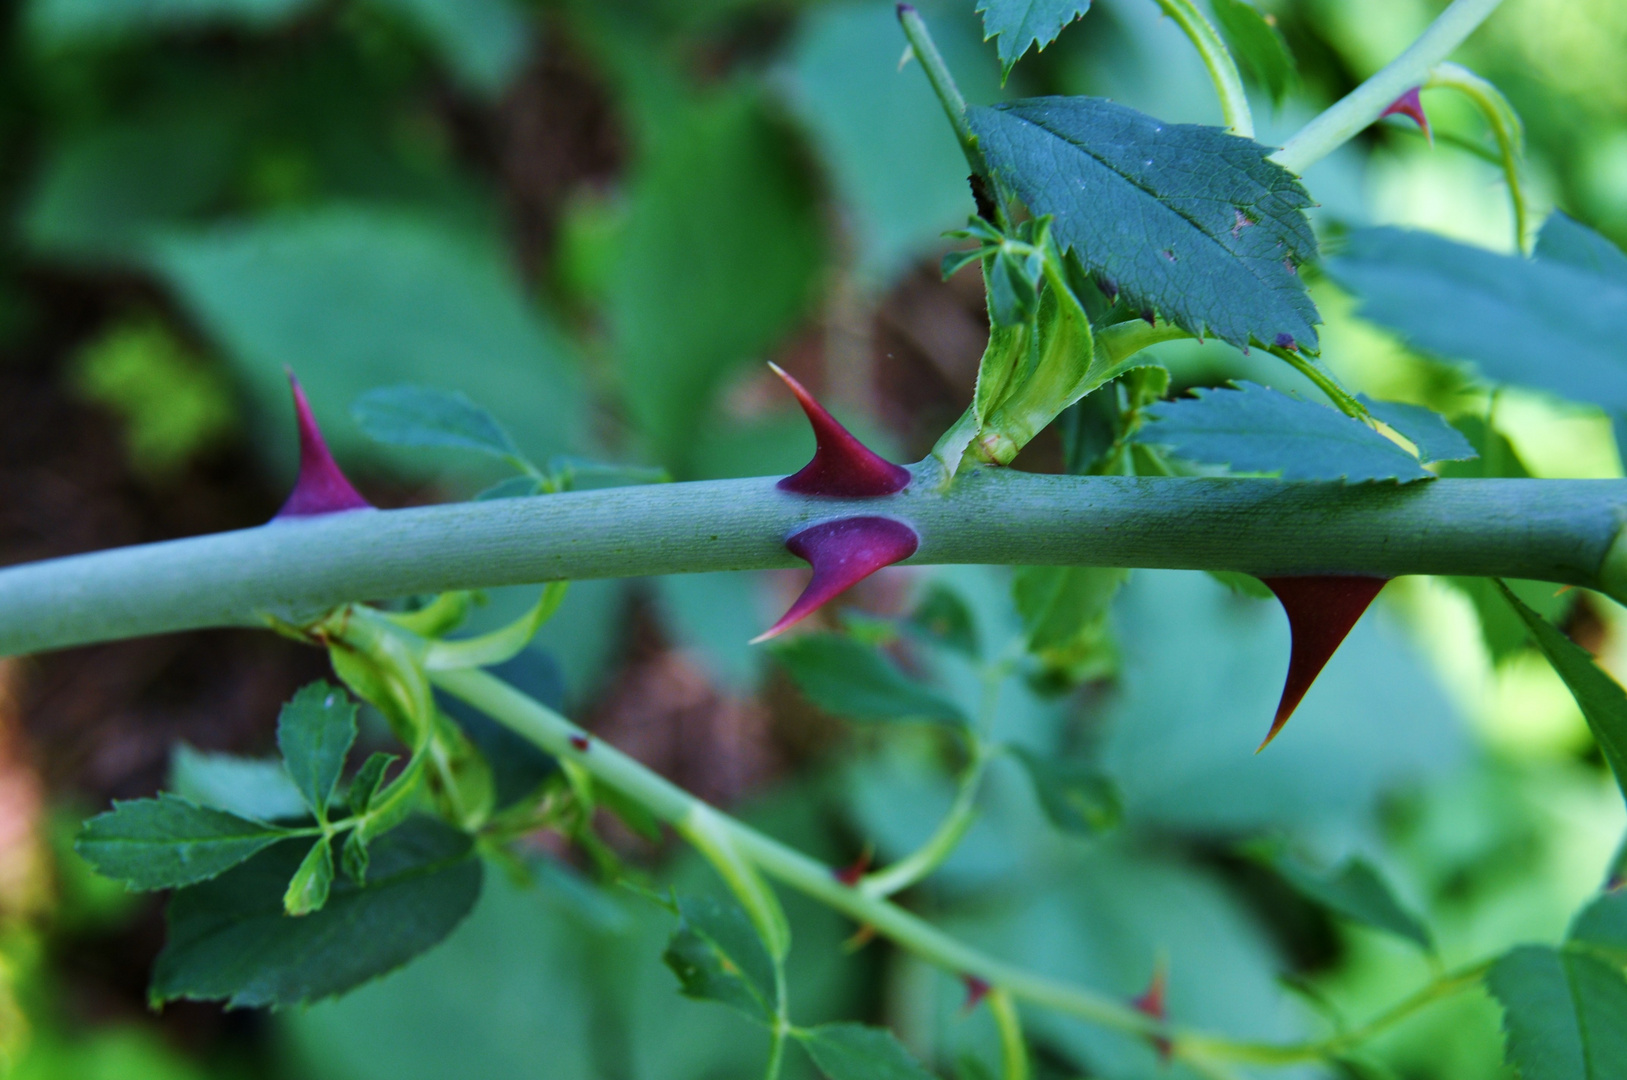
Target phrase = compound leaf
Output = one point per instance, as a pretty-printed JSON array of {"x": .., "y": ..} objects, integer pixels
[
  {"x": 1428, "y": 430},
  {"x": 168, "y": 842},
  {"x": 718, "y": 956},
  {"x": 1258, "y": 44},
  {"x": 1019, "y": 24},
  {"x": 1562, "y": 1011},
  {"x": 231, "y": 939},
  {"x": 1256, "y": 429},
  {"x": 857, "y": 1052},
  {"x": 1601, "y": 698},
  {"x": 422, "y": 416},
  {"x": 1538, "y": 322},
  {"x": 314, "y": 732},
  {"x": 852, "y": 680},
  {"x": 1186, "y": 219}
]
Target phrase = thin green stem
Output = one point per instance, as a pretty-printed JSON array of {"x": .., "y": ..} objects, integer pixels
[
  {"x": 782, "y": 1023},
  {"x": 1549, "y": 530},
  {"x": 1342, "y": 399},
  {"x": 1234, "y": 106},
  {"x": 1505, "y": 128},
  {"x": 954, "y": 104},
  {"x": 1359, "y": 108},
  {"x": 937, "y": 848},
  {"x": 1013, "y": 1049}
]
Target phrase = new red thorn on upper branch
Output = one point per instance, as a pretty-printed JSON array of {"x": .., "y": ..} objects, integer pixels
[
  {"x": 842, "y": 466},
  {"x": 321, "y": 488},
  {"x": 1321, "y": 610},
  {"x": 1409, "y": 104}
]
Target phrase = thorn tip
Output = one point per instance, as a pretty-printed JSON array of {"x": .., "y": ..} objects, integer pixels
[
  {"x": 1321, "y": 611},
  {"x": 842, "y": 466}
]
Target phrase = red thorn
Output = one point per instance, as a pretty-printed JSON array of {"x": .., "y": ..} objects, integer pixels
[
  {"x": 1409, "y": 104},
  {"x": 853, "y": 872},
  {"x": 579, "y": 743},
  {"x": 976, "y": 990},
  {"x": 842, "y": 466},
  {"x": 321, "y": 488},
  {"x": 1152, "y": 1003},
  {"x": 842, "y": 553},
  {"x": 1321, "y": 610}
]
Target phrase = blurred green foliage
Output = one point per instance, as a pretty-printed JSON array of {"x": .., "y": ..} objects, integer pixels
[{"x": 351, "y": 189}]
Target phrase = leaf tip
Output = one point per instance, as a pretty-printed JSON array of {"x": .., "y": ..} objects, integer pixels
[
  {"x": 321, "y": 488},
  {"x": 842, "y": 466}
]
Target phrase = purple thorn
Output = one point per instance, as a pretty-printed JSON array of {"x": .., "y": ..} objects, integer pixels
[
  {"x": 976, "y": 990},
  {"x": 842, "y": 466},
  {"x": 321, "y": 487},
  {"x": 1285, "y": 341},
  {"x": 1409, "y": 104},
  {"x": 842, "y": 553}
]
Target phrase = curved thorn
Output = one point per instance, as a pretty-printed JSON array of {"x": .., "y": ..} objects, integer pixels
[
  {"x": 842, "y": 466},
  {"x": 321, "y": 488},
  {"x": 1321, "y": 610},
  {"x": 842, "y": 553},
  {"x": 1409, "y": 104}
]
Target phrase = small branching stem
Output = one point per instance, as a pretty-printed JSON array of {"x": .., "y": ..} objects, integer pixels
[
  {"x": 1234, "y": 106},
  {"x": 1348, "y": 116},
  {"x": 1505, "y": 128}
]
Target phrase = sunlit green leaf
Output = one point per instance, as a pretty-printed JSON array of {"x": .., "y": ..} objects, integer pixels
[
  {"x": 1357, "y": 892},
  {"x": 1258, "y": 44},
  {"x": 168, "y": 842},
  {"x": 1256, "y": 429},
  {"x": 1563, "y": 1013},
  {"x": 1602, "y": 926},
  {"x": 1427, "y": 429},
  {"x": 1185, "y": 219}
]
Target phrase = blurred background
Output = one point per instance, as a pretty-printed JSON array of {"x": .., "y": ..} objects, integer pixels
[{"x": 598, "y": 219}]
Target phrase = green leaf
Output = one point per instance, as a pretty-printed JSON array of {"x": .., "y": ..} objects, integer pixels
[
  {"x": 1058, "y": 603},
  {"x": 168, "y": 842},
  {"x": 722, "y": 253},
  {"x": 1258, "y": 44},
  {"x": 857, "y": 1052},
  {"x": 1563, "y": 1013},
  {"x": 1501, "y": 628},
  {"x": 357, "y": 299},
  {"x": 230, "y": 938},
  {"x": 484, "y": 42},
  {"x": 855, "y": 681},
  {"x": 1077, "y": 797},
  {"x": 1513, "y": 317},
  {"x": 1602, "y": 927},
  {"x": 424, "y": 416},
  {"x": 944, "y": 617},
  {"x": 718, "y": 956},
  {"x": 308, "y": 889},
  {"x": 1253, "y": 428},
  {"x": 1186, "y": 219},
  {"x": 1357, "y": 892},
  {"x": 365, "y": 784},
  {"x": 1019, "y": 24},
  {"x": 515, "y": 487},
  {"x": 1601, "y": 698},
  {"x": 314, "y": 732},
  {"x": 1563, "y": 239},
  {"x": 354, "y": 857},
  {"x": 59, "y": 21},
  {"x": 257, "y": 788},
  {"x": 1427, "y": 429}
]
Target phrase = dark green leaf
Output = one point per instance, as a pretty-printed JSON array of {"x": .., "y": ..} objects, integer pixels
[
  {"x": 483, "y": 42},
  {"x": 1019, "y": 24},
  {"x": 1077, "y": 797},
  {"x": 1536, "y": 322},
  {"x": 424, "y": 416},
  {"x": 256, "y": 788},
  {"x": 944, "y": 617},
  {"x": 1258, "y": 44},
  {"x": 62, "y": 20},
  {"x": 1256, "y": 429},
  {"x": 314, "y": 733},
  {"x": 856, "y": 681},
  {"x": 1563, "y": 239},
  {"x": 1601, "y": 698},
  {"x": 1501, "y": 627},
  {"x": 1602, "y": 926},
  {"x": 722, "y": 252},
  {"x": 1357, "y": 892},
  {"x": 1188, "y": 220},
  {"x": 1427, "y": 429},
  {"x": 354, "y": 856},
  {"x": 168, "y": 842},
  {"x": 718, "y": 956},
  {"x": 857, "y": 1052},
  {"x": 1563, "y": 1013},
  {"x": 365, "y": 784},
  {"x": 230, "y": 938},
  {"x": 308, "y": 889},
  {"x": 1058, "y": 603}
]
